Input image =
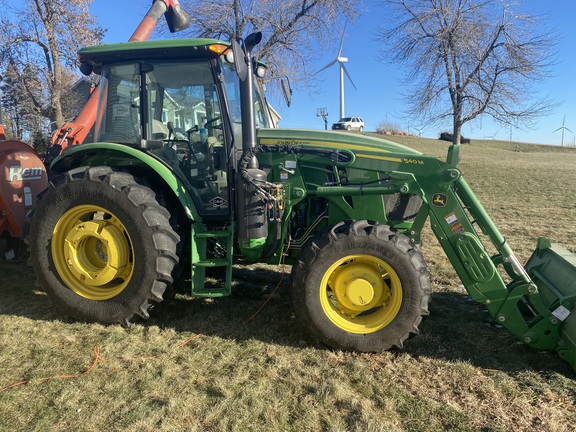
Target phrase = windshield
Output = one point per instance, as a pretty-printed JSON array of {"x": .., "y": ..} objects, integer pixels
[{"x": 178, "y": 97}]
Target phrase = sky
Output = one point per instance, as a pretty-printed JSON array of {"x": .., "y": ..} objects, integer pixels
[{"x": 378, "y": 97}]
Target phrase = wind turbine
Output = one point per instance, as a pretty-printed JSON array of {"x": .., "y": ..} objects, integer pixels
[
  {"x": 341, "y": 60},
  {"x": 492, "y": 136},
  {"x": 563, "y": 129}
]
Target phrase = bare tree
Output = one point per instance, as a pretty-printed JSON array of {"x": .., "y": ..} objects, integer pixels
[
  {"x": 294, "y": 31},
  {"x": 467, "y": 58},
  {"x": 18, "y": 112},
  {"x": 46, "y": 35},
  {"x": 12, "y": 110}
]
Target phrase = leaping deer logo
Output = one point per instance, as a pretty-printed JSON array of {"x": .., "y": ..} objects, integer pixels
[{"x": 439, "y": 200}]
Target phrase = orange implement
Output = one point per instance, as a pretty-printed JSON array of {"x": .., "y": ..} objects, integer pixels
[{"x": 22, "y": 177}]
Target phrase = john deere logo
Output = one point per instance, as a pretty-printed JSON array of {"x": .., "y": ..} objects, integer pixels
[{"x": 439, "y": 200}]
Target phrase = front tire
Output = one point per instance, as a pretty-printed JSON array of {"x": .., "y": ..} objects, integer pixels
[
  {"x": 361, "y": 287},
  {"x": 101, "y": 246}
]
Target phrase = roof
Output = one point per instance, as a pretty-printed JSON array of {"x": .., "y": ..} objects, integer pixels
[{"x": 157, "y": 49}]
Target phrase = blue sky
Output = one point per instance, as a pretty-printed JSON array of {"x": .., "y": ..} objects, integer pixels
[{"x": 378, "y": 97}]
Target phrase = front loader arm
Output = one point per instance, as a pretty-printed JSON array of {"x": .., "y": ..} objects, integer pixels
[{"x": 536, "y": 301}]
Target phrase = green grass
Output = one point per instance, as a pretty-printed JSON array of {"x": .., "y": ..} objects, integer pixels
[{"x": 462, "y": 373}]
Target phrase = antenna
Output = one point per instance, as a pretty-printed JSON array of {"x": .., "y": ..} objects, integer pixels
[{"x": 563, "y": 128}]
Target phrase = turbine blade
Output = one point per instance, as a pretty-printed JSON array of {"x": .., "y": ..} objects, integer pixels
[
  {"x": 348, "y": 75},
  {"x": 342, "y": 38},
  {"x": 326, "y": 67}
]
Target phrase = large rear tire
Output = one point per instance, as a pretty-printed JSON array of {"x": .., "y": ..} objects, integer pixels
[
  {"x": 101, "y": 246},
  {"x": 362, "y": 287}
]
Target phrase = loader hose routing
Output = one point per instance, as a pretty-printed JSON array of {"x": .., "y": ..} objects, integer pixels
[
  {"x": 271, "y": 202},
  {"x": 335, "y": 156}
]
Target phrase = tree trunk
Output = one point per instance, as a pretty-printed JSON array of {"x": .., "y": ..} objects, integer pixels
[{"x": 457, "y": 130}]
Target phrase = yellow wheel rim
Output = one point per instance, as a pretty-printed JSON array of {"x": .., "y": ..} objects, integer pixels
[
  {"x": 91, "y": 250},
  {"x": 361, "y": 294}
]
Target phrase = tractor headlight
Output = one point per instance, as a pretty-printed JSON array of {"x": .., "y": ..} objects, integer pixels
[
  {"x": 229, "y": 57},
  {"x": 260, "y": 71}
]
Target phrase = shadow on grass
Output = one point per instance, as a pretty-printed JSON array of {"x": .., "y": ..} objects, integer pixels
[
  {"x": 259, "y": 308},
  {"x": 21, "y": 297},
  {"x": 461, "y": 330},
  {"x": 457, "y": 330}
]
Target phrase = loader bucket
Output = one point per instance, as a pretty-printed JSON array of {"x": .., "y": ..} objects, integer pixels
[{"x": 553, "y": 269}]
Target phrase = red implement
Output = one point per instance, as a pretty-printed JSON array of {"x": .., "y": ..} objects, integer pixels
[{"x": 22, "y": 177}]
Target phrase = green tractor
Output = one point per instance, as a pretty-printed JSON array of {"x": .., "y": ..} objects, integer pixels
[{"x": 187, "y": 175}]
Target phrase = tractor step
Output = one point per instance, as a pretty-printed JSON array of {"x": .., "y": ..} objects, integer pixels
[
  {"x": 221, "y": 262},
  {"x": 212, "y": 249}
]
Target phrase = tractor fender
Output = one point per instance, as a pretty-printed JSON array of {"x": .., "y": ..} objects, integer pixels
[{"x": 130, "y": 159}]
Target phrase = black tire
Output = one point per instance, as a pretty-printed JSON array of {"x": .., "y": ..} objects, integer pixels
[
  {"x": 348, "y": 127},
  {"x": 101, "y": 246},
  {"x": 384, "y": 289}
]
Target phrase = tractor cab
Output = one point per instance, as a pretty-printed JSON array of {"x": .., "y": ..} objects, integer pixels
[{"x": 180, "y": 103}]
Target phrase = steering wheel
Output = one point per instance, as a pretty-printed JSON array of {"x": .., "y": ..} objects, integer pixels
[{"x": 208, "y": 124}]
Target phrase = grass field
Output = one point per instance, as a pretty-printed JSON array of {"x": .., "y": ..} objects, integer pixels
[{"x": 201, "y": 365}]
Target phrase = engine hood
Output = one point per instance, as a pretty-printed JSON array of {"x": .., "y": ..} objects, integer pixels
[{"x": 329, "y": 139}]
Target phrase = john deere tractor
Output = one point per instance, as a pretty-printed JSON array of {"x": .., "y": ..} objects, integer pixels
[{"x": 187, "y": 174}]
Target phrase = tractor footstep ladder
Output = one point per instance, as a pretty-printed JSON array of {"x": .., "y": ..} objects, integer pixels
[{"x": 202, "y": 259}]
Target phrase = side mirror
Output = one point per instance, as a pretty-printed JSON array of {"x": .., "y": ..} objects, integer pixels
[
  {"x": 239, "y": 60},
  {"x": 86, "y": 68}
]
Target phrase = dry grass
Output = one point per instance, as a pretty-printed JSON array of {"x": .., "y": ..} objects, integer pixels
[{"x": 462, "y": 373}]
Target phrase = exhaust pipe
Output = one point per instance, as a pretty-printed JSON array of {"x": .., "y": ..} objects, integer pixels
[
  {"x": 251, "y": 206},
  {"x": 247, "y": 98}
]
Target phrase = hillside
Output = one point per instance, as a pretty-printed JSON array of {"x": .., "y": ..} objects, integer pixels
[{"x": 206, "y": 365}]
